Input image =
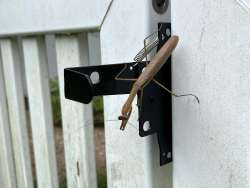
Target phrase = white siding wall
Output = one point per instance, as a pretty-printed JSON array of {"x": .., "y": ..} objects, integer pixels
[{"x": 211, "y": 139}]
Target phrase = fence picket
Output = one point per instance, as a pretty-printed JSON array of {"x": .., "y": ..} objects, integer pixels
[
  {"x": 14, "y": 91},
  {"x": 36, "y": 67},
  {"x": 72, "y": 50},
  {"x": 6, "y": 154}
]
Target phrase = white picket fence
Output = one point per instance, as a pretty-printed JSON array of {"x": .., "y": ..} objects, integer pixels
[
  {"x": 131, "y": 161},
  {"x": 210, "y": 140},
  {"x": 77, "y": 118},
  {"x": 16, "y": 171}
]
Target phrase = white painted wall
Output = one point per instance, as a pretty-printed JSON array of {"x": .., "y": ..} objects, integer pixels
[{"x": 211, "y": 139}]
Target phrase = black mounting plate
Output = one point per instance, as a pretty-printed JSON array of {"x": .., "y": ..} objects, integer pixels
[{"x": 156, "y": 106}]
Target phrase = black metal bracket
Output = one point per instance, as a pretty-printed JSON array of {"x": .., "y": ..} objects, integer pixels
[{"x": 155, "y": 110}]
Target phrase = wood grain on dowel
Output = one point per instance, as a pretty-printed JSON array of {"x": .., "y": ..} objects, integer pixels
[{"x": 147, "y": 75}]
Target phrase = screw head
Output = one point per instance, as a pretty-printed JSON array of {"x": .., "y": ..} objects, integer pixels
[{"x": 160, "y": 6}]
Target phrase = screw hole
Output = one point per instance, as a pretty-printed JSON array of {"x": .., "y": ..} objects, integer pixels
[
  {"x": 168, "y": 33},
  {"x": 160, "y": 6},
  {"x": 146, "y": 126},
  {"x": 169, "y": 155},
  {"x": 94, "y": 77},
  {"x": 160, "y": 2}
]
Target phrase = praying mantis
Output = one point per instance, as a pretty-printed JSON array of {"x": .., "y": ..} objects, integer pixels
[{"x": 146, "y": 76}]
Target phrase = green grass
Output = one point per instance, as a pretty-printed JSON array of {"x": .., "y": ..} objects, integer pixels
[
  {"x": 63, "y": 182},
  {"x": 98, "y": 110},
  {"x": 101, "y": 180},
  {"x": 55, "y": 100}
]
